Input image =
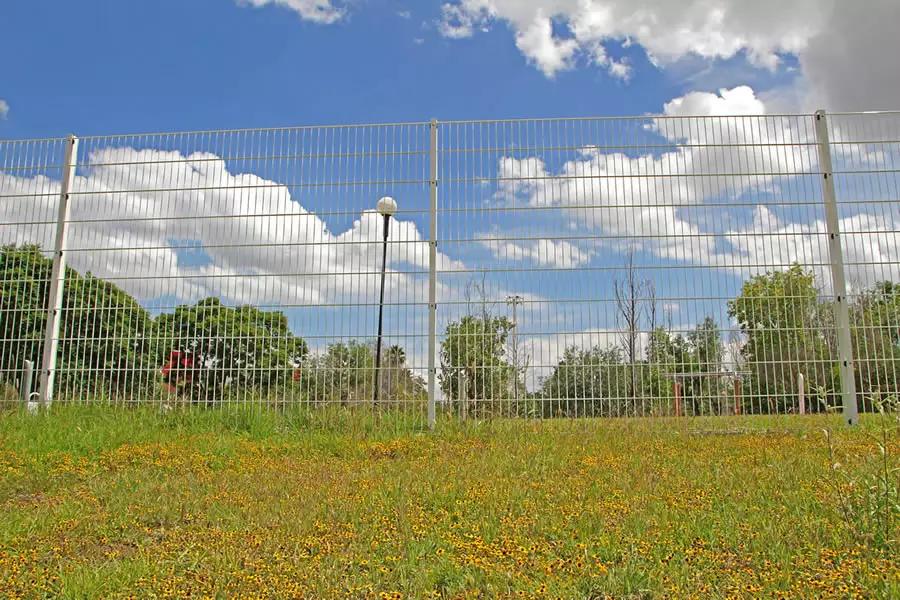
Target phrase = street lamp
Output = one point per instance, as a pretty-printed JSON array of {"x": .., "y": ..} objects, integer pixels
[{"x": 386, "y": 208}]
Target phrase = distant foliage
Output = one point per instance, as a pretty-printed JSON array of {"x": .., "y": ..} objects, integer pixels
[
  {"x": 103, "y": 330},
  {"x": 785, "y": 326},
  {"x": 345, "y": 375},
  {"x": 110, "y": 347},
  {"x": 475, "y": 369},
  {"x": 240, "y": 348}
]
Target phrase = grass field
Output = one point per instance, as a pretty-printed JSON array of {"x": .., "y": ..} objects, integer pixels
[{"x": 247, "y": 504}]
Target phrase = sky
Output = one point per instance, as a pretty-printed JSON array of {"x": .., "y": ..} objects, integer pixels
[{"x": 545, "y": 209}]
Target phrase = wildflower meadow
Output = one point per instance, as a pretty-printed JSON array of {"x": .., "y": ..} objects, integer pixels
[{"x": 249, "y": 503}]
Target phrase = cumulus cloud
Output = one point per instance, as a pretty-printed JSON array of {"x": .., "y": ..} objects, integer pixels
[
  {"x": 4, "y": 108},
  {"x": 653, "y": 200},
  {"x": 847, "y": 50},
  {"x": 640, "y": 196},
  {"x": 136, "y": 214},
  {"x": 317, "y": 11},
  {"x": 666, "y": 30},
  {"x": 545, "y": 253}
]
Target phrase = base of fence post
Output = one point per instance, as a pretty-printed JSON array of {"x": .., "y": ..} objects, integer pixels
[
  {"x": 737, "y": 397},
  {"x": 678, "y": 411}
]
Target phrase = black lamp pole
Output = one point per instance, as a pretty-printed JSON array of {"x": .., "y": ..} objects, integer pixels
[{"x": 387, "y": 227}]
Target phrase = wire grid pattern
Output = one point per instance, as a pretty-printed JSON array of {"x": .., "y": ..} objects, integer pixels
[
  {"x": 30, "y": 172},
  {"x": 660, "y": 267},
  {"x": 241, "y": 266},
  {"x": 615, "y": 267}
]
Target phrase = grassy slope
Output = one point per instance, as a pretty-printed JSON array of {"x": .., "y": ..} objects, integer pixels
[{"x": 96, "y": 503}]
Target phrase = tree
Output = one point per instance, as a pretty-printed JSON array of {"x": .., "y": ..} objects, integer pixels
[
  {"x": 474, "y": 366},
  {"x": 667, "y": 355},
  {"x": 708, "y": 352},
  {"x": 587, "y": 383},
  {"x": 781, "y": 317},
  {"x": 630, "y": 292},
  {"x": 243, "y": 348},
  {"x": 345, "y": 374},
  {"x": 875, "y": 327},
  {"x": 398, "y": 382},
  {"x": 103, "y": 330}
]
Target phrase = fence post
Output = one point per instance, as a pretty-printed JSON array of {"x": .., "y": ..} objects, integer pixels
[
  {"x": 737, "y": 397},
  {"x": 838, "y": 276},
  {"x": 801, "y": 387},
  {"x": 27, "y": 379},
  {"x": 58, "y": 276},
  {"x": 432, "y": 277}
]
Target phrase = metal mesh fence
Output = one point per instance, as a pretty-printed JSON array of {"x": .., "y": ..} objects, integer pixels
[{"x": 655, "y": 267}]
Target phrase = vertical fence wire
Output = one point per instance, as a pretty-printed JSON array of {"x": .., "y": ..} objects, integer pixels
[
  {"x": 655, "y": 268},
  {"x": 30, "y": 176}
]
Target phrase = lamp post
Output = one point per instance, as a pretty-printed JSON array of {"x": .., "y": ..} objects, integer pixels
[{"x": 386, "y": 208}]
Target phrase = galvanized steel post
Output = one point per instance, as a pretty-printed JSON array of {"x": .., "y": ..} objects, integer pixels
[
  {"x": 838, "y": 276},
  {"x": 58, "y": 276},
  {"x": 432, "y": 279}
]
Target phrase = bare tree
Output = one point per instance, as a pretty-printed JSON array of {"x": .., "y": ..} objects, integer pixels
[{"x": 630, "y": 306}]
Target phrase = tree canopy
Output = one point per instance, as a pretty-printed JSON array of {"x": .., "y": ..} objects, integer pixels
[
  {"x": 475, "y": 369},
  {"x": 243, "y": 348},
  {"x": 103, "y": 330}
]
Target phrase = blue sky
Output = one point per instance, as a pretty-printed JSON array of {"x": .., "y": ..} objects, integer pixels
[
  {"x": 107, "y": 67},
  {"x": 110, "y": 67}
]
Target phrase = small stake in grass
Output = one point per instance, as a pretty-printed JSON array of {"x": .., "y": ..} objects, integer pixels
[
  {"x": 677, "y": 398},
  {"x": 801, "y": 386},
  {"x": 25, "y": 392}
]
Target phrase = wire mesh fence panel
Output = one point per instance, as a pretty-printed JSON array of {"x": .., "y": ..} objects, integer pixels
[
  {"x": 637, "y": 267},
  {"x": 866, "y": 163},
  {"x": 667, "y": 268},
  {"x": 30, "y": 175},
  {"x": 246, "y": 266}
]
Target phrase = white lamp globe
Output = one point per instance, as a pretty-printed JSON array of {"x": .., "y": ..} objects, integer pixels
[{"x": 387, "y": 206}]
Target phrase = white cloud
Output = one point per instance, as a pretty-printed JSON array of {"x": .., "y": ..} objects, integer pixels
[
  {"x": 666, "y": 29},
  {"x": 4, "y": 108},
  {"x": 405, "y": 14},
  {"x": 847, "y": 50},
  {"x": 549, "y": 53},
  {"x": 651, "y": 201},
  {"x": 458, "y": 22},
  {"x": 640, "y": 196},
  {"x": 317, "y": 11},
  {"x": 140, "y": 201},
  {"x": 543, "y": 252}
]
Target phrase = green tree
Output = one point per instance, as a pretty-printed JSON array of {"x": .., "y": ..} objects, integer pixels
[
  {"x": 707, "y": 350},
  {"x": 474, "y": 366},
  {"x": 593, "y": 382},
  {"x": 103, "y": 330},
  {"x": 244, "y": 348},
  {"x": 875, "y": 318},
  {"x": 667, "y": 355},
  {"x": 345, "y": 374},
  {"x": 398, "y": 382},
  {"x": 782, "y": 319}
]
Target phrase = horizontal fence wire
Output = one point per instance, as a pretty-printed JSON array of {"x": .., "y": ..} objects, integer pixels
[{"x": 643, "y": 267}]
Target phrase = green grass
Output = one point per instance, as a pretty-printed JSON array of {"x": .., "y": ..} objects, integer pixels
[{"x": 247, "y": 502}]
